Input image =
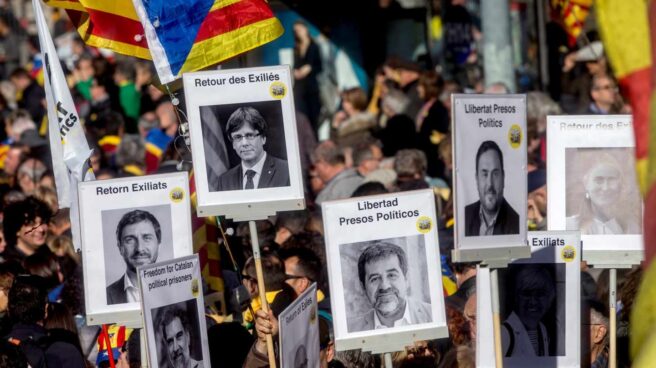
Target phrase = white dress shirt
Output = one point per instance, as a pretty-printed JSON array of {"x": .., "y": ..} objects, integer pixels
[
  {"x": 405, "y": 320},
  {"x": 131, "y": 291},
  {"x": 258, "y": 172}
]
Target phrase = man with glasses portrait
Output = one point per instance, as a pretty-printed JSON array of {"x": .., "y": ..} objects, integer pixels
[{"x": 246, "y": 129}]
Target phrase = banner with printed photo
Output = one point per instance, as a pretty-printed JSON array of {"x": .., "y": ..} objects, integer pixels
[
  {"x": 174, "y": 313},
  {"x": 489, "y": 135},
  {"x": 243, "y": 134},
  {"x": 593, "y": 187},
  {"x": 299, "y": 331},
  {"x": 127, "y": 223},
  {"x": 384, "y": 269}
]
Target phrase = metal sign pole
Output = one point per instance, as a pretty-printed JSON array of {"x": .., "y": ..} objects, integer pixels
[{"x": 388, "y": 360}]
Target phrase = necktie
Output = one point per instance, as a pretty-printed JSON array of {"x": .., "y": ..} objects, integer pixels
[{"x": 249, "y": 179}]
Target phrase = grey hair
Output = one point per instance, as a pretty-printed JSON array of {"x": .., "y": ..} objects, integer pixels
[{"x": 131, "y": 150}]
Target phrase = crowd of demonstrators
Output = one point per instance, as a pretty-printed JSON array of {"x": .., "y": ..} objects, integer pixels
[{"x": 396, "y": 138}]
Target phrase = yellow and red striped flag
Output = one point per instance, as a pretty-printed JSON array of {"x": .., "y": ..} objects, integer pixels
[
  {"x": 627, "y": 29},
  {"x": 178, "y": 35},
  {"x": 572, "y": 14}
]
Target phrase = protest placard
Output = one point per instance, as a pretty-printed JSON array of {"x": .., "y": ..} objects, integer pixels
[
  {"x": 127, "y": 223},
  {"x": 384, "y": 268},
  {"x": 242, "y": 125},
  {"x": 489, "y": 135},
  {"x": 174, "y": 313},
  {"x": 592, "y": 186},
  {"x": 299, "y": 331},
  {"x": 540, "y": 306}
]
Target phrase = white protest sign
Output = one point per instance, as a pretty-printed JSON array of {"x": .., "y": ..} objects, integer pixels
[
  {"x": 127, "y": 223},
  {"x": 489, "y": 144},
  {"x": 544, "y": 292},
  {"x": 592, "y": 184},
  {"x": 384, "y": 268},
  {"x": 174, "y": 313},
  {"x": 299, "y": 331},
  {"x": 242, "y": 125}
]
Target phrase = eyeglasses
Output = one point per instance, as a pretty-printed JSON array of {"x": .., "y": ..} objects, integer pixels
[
  {"x": 248, "y": 278},
  {"x": 606, "y": 88},
  {"x": 247, "y": 136}
]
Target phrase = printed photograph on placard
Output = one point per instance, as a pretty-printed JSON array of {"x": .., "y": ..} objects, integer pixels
[
  {"x": 384, "y": 283},
  {"x": 490, "y": 214},
  {"x": 177, "y": 333},
  {"x": 132, "y": 238},
  {"x": 532, "y": 305},
  {"x": 602, "y": 195},
  {"x": 244, "y": 146}
]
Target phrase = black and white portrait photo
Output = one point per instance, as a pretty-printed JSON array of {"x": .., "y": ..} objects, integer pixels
[
  {"x": 533, "y": 303},
  {"x": 385, "y": 283},
  {"x": 244, "y": 146},
  {"x": 177, "y": 334},
  {"x": 133, "y": 238},
  {"x": 491, "y": 214},
  {"x": 602, "y": 195}
]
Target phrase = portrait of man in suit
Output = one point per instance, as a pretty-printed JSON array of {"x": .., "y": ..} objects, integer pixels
[
  {"x": 247, "y": 131},
  {"x": 138, "y": 236},
  {"x": 491, "y": 214},
  {"x": 383, "y": 271}
]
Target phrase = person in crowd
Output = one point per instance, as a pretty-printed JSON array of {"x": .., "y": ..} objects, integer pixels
[
  {"x": 432, "y": 121},
  {"x": 29, "y": 175},
  {"x": 340, "y": 182},
  {"x": 366, "y": 157},
  {"x": 290, "y": 223},
  {"x": 605, "y": 208},
  {"x": 6, "y": 280},
  {"x": 382, "y": 269},
  {"x": 278, "y": 293},
  {"x": 604, "y": 95},
  {"x": 46, "y": 266},
  {"x": 129, "y": 96},
  {"x": 537, "y": 200},
  {"x": 352, "y": 124},
  {"x": 27, "y": 307},
  {"x": 470, "y": 317},
  {"x": 16, "y": 123},
  {"x": 32, "y": 95},
  {"x": 302, "y": 268},
  {"x": 130, "y": 157},
  {"x": 596, "y": 334},
  {"x": 25, "y": 228},
  {"x": 523, "y": 332},
  {"x": 307, "y": 66},
  {"x": 466, "y": 282},
  {"x": 11, "y": 356},
  {"x": 406, "y": 75},
  {"x": 247, "y": 130},
  {"x": 61, "y": 326},
  {"x": 138, "y": 236},
  {"x": 370, "y": 188},
  {"x": 491, "y": 214},
  {"x": 410, "y": 166}
]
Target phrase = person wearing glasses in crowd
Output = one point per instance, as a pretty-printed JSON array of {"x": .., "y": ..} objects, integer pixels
[
  {"x": 246, "y": 129},
  {"x": 605, "y": 97}
]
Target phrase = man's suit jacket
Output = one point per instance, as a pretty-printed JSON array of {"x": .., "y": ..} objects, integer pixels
[
  {"x": 507, "y": 220},
  {"x": 275, "y": 173},
  {"x": 116, "y": 293},
  {"x": 420, "y": 312}
]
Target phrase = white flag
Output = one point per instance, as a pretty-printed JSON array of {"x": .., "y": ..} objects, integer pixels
[{"x": 68, "y": 145}]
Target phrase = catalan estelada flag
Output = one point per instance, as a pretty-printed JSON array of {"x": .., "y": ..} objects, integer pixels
[
  {"x": 572, "y": 14},
  {"x": 627, "y": 29},
  {"x": 178, "y": 35}
]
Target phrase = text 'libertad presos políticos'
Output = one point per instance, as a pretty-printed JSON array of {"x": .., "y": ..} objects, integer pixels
[{"x": 384, "y": 215}]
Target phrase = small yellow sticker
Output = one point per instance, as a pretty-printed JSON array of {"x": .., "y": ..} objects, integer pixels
[
  {"x": 424, "y": 224},
  {"x": 176, "y": 194},
  {"x": 278, "y": 90},
  {"x": 568, "y": 253},
  {"x": 515, "y": 136},
  {"x": 195, "y": 288}
]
